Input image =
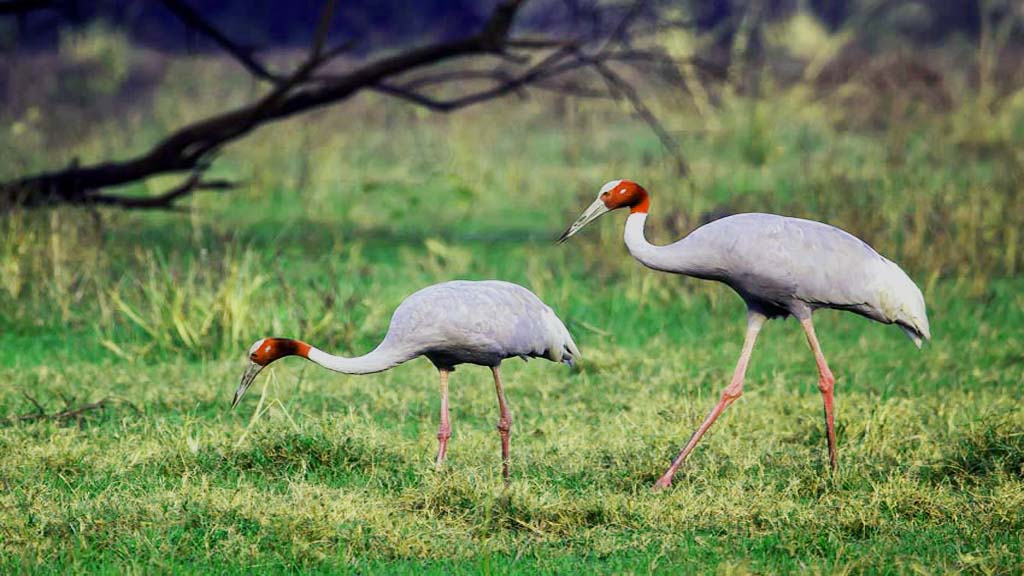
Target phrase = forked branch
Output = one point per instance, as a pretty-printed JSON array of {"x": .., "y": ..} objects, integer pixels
[
  {"x": 70, "y": 411},
  {"x": 192, "y": 147}
]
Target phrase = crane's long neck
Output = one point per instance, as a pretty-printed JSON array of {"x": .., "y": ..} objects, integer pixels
[
  {"x": 680, "y": 257},
  {"x": 648, "y": 254},
  {"x": 381, "y": 358}
]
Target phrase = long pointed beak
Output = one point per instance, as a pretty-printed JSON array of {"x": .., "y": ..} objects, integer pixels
[
  {"x": 250, "y": 374},
  {"x": 589, "y": 215}
]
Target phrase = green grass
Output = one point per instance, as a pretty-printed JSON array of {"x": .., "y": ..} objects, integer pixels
[
  {"x": 337, "y": 223},
  {"x": 338, "y": 472}
]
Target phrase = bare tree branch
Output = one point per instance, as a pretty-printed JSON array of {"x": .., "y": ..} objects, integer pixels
[
  {"x": 322, "y": 28},
  {"x": 21, "y": 6},
  {"x": 449, "y": 76},
  {"x": 39, "y": 407},
  {"x": 194, "y": 20},
  {"x": 510, "y": 85},
  {"x": 166, "y": 199},
  {"x": 191, "y": 148},
  {"x": 244, "y": 55},
  {"x": 619, "y": 32},
  {"x": 626, "y": 90},
  {"x": 535, "y": 43},
  {"x": 68, "y": 413}
]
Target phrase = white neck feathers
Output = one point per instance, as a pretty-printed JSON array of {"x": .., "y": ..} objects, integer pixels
[
  {"x": 378, "y": 360},
  {"x": 681, "y": 257},
  {"x": 648, "y": 254}
]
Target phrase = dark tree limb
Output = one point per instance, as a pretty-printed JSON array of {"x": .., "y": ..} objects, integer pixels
[
  {"x": 69, "y": 413},
  {"x": 164, "y": 200},
  {"x": 535, "y": 72},
  {"x": 191, "y": 148},
  {"x": 21, "y": 6},
  {"x": 194, "y": 20},
  {"x": 39, "y": 407},
  {"x": 618, "y": 34},
  {"x": 622, "y": 88}
]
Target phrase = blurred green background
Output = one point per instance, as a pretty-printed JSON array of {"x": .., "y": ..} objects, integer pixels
[{"x": 913, "y": 145}]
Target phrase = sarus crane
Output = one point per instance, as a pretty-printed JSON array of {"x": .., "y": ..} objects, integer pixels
[
  {"x": 452, "y": 323},
  {"x": 780, "y": 267}
]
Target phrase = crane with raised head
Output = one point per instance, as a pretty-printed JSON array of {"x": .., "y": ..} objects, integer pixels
[
  {"x": 452, "y": 323},
  {"x": 780, "y": 267}
]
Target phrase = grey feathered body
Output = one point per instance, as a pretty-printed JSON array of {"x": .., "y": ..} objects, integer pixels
[
  {"x": 789, "y": 266},
  {"x": 476, "y": 322}
]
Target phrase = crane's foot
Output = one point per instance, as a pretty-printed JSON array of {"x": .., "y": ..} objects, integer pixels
[
  {"x": 504, "y": 430},
  {"x": 442, "y": 447},
  {"x": 662, "y": 483}
]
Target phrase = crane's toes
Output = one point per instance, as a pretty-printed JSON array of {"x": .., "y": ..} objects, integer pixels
[{"x": 661, "y": 484}]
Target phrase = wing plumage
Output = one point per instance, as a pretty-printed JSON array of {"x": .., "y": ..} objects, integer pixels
[
  {"x": 901, "y": 301},
  {"x": 480, "y": 322},
  {"x": 786, "y": 265}
]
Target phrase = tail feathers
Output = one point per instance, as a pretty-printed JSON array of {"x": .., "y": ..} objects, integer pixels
[
  {"x": 903, "y": 304},
  {"x": 569, "y": 350},
  {"x": 561, "y": 348},
  {"x": 916, "y": 337},
  {"x": 570, "y": 353}
]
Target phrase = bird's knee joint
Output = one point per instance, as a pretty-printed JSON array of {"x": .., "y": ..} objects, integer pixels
[
  {"x": 826, "y": 383},
  {"x": 444, "y": 433},
  {"x": 504, "y": 425},
  {"x": 730, "y": 394}
]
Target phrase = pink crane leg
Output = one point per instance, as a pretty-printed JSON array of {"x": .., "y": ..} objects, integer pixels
[
  {"x": 826, "y": 384},
  {"x": 504, "y": 423},
  {"x": 733, "y": 391},
  {"x": 444, "y": 431}
]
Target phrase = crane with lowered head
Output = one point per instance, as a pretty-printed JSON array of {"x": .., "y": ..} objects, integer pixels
[{"x": 452, "y": 323}]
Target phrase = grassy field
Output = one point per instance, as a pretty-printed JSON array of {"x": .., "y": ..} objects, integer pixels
[{"x": 344, "y": 215}]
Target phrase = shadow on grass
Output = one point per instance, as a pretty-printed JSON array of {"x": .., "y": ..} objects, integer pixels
[
  {"x": 275, "y": 457},
  {"x": 993, "y": 448}
]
